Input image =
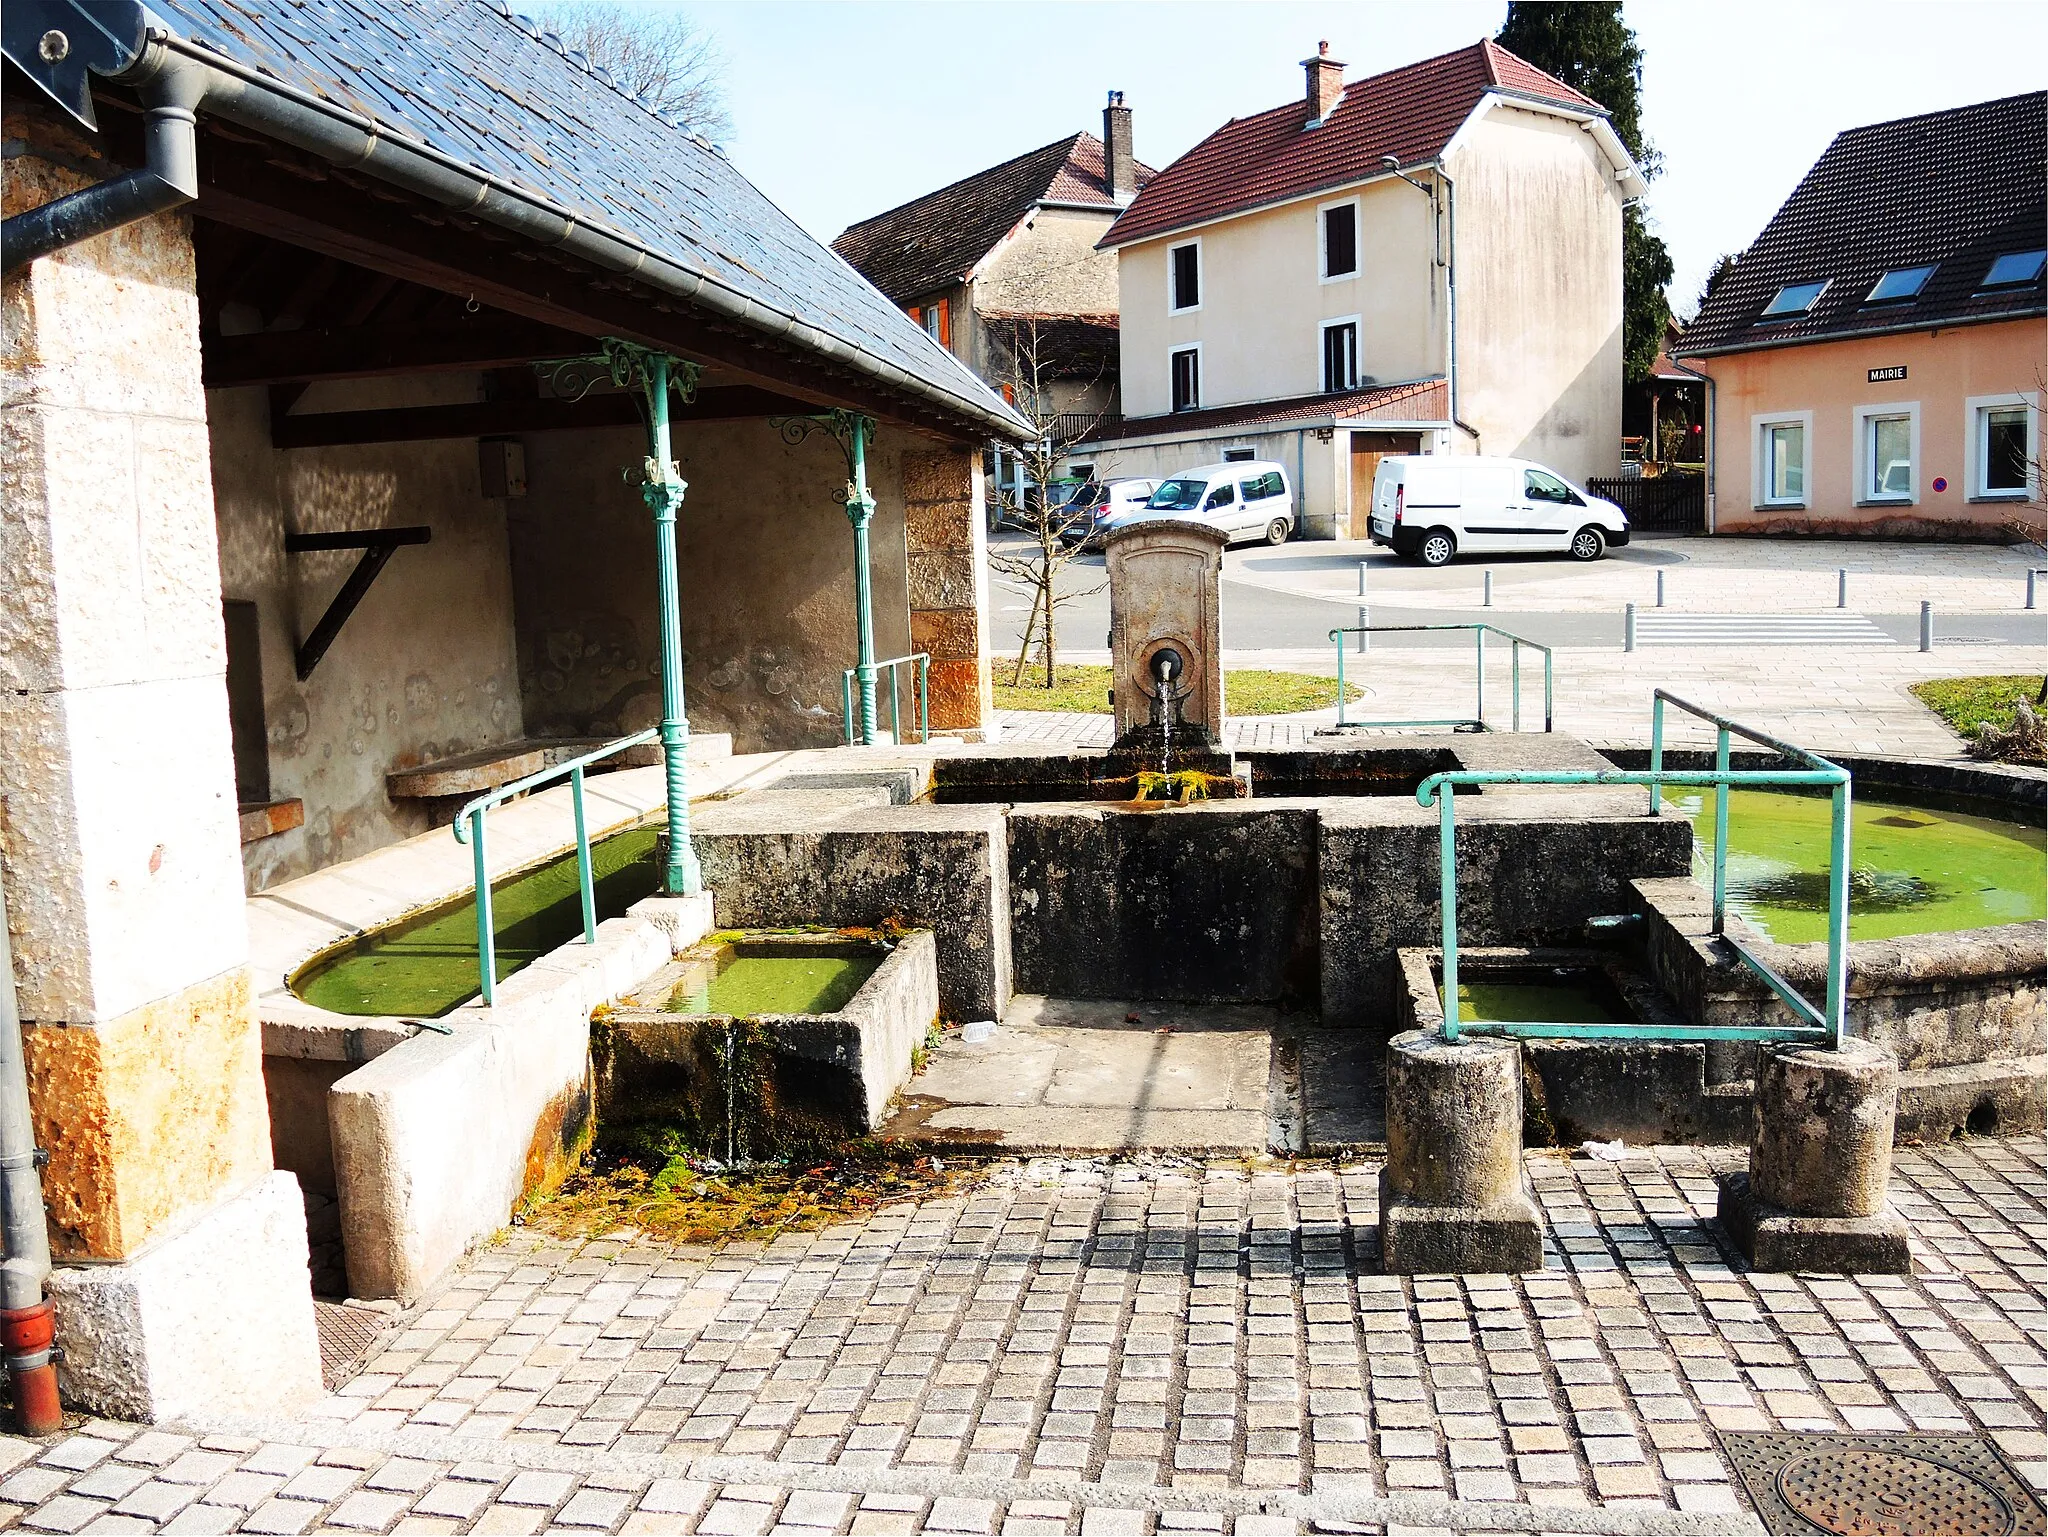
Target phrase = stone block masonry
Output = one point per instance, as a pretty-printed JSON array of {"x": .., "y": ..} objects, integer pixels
[
  {"x": 948, "y": 580},
  {"x": 119, "y": 832}
]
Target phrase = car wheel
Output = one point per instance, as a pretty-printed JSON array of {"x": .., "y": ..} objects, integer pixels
[
  {"x": 1276, "y": 531},
  {"x": 1588, "y": 544},
  {"x": 1437, "y": 547}
]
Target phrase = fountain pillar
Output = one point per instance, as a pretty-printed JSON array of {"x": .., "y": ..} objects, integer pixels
[{"x": 1165, "y": 581}]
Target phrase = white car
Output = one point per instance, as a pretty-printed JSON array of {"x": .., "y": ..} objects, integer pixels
[
  {"x": 1247, "y": 499},
  {"x": 1098, "y": 505},
  {"x": 1436, "y": 507}
]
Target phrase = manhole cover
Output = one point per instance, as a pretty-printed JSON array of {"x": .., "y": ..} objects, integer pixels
[{"x": 1888, "y": 1486}]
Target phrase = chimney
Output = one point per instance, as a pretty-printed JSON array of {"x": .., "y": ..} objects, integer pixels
[
  {"x": 1118, "y": 166},
  {"x": 1325, "y": 83}
]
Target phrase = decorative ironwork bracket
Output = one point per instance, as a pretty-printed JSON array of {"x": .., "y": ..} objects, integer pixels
[{"x": 853, "y": 432}]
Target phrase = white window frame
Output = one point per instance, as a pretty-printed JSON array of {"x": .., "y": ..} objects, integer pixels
[
  {"x": 1357, "y": 349},
  {"x": 1862, "y": 418},
  {"x": 1172, "y": 353},
  {"x": 1201, "y": 277},
  {"x": 1323, "y": 241},
  {"x": 1975, "y": 409},
  {"x": 1761, "y": 480}
]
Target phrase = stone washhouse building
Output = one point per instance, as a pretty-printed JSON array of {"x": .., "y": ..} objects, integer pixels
[
  {"x": 1427, "y": 260},
  {"x": 298, "y": 503},
  {"x": 1883, "y": 376}
]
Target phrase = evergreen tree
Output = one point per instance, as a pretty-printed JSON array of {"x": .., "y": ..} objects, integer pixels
[{"x": 1587, "y": 45}]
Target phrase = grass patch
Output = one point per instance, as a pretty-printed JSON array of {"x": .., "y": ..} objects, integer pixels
[
  {"x": 644, "y": 1179},
  {"x": 1967, "y": 703},
  {"x": 1085, "y": 690}
]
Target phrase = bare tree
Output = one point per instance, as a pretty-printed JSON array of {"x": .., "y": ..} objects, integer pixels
[
  {"x": 661, "y": 56},
  {"x": 1034, "y": 360}
]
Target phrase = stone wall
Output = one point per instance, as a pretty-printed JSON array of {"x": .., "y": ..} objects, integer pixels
[
  {"x": 765, "y": 566},
  {"x": 424, "y": 668},
  {"x": 948, "y": 581}
]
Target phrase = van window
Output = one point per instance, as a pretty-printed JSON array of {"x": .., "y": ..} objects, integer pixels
[
  {"x": 1542, "y": 486},
  {"x": 1261, "y": 487},
  {"x": 1179, "y": 496},
  {"x": 1222, "y": 496}
]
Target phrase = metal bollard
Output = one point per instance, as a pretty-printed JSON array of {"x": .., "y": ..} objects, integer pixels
[
  {"x": 1660, "y": 589},
  {"x": 1926, "y": 626},
  {"x": 1628, "y": 627},
  {"x": 1364, "y": 613},
  {"x": 1487, "y": 600},
  {"x": 2031, "y": 574},
  {"x": 1841, "y": 587}
]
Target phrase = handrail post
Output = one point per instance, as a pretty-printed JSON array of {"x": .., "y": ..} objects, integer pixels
[
  {"x": 1479, "y": 686},
  {"x": 1338, "y": 637},
  {"x": 486, "y": 939},
  {"x": 1721, "y": 831},
  {"x": 1838, "y": 913},
  {"x": 1447, "y": 850},
  {"x": 584, "y": 881},
  {"x": 846, "y": 695},
  {"x": 1656, "y": 753},
  {"x": 924, "y": 696},
  {"x": 1548, "y": 714},
  {"x": 1515, "y": 680},
  {"x": 896, "y": 703}
]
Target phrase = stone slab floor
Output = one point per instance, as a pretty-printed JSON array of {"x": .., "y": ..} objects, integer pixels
[{"x": 1123, "y": 1346}]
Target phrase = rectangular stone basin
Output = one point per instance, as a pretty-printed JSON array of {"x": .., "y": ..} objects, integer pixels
[{"x": 760, "y": 1044}]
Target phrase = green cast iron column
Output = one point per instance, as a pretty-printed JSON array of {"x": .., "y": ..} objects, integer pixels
[
  {"x": 683, "y": 877},
  {"x": 860, "y": 508}
]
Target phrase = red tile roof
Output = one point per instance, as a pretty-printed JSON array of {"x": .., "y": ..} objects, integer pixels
[
  {"x": 934, "y": 241},
  {"x": 1421, "y": 400},
  {"x": 1410, "y": 112}
]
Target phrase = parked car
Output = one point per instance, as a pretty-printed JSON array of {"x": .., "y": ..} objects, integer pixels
[
  {"x": 1436, "y": 507},
  {"x": 1102, "y": 504},
  {"x": 1250, "y": 499}
]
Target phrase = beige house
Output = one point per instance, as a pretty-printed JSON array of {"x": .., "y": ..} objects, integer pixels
[
  {"x": 1884, "y": 376},
  {"x": 1427, "y": 260},
  {"x": 1004, "y": 269}
]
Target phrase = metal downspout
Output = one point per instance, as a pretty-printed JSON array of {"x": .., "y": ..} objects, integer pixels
[
  {"x": 1451, "y": 304},
  {"x": 27, "y": 1319},
  {"x": 172, "y": 89},
  {"x": 682, "y": 876},
  {"x": 1713, "y": 427}
]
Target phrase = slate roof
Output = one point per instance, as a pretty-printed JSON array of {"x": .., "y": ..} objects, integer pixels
[
  {"x": 1955, "y": 189},
  {"x": 470, "y": 80},
  {"x": 1419, "y": 400},
  {"x": 934, "y": 241},
  {"x": 1411, "y": 112}
]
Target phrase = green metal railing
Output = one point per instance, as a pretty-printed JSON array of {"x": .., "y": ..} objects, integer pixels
[
  {"x": 1477, "y": 720},
  {"x": 469, "y": 828},
  {"x": 1822, "y": 1026},
  {"x": 860, "y": 729}
]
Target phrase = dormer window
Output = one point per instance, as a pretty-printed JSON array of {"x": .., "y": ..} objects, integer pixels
[
  {"x": 2015, "y": 269},
  {"x": 1899, "y": 284},
  {"x": 1793, "y": 301}
]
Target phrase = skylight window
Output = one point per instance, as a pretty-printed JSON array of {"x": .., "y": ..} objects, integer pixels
[
  {"x": 1900, "y": 283},
  {"x": 2015, "y": 268},
  {"x": 1792, "y": 301}
]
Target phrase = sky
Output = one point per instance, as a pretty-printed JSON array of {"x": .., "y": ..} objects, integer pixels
[{"x": 843, "y": 109}]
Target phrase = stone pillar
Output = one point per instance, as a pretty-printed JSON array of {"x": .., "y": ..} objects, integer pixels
[
  {"x": 943, "y": 517},
  {"x": 1820, "y": 1155},
  {"x": 119, "y": 843},
  {"x": 1165, "y": 593},
  {"x": 1454, "y": 1198}
]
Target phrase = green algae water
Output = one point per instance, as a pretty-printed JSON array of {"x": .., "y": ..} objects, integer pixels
[
  {"x": 425, "y": 966},
  {"x": 747, "y": 985},
  {"x": 1912, "y": 871},
  {"x": 1568, "y": 1001}
]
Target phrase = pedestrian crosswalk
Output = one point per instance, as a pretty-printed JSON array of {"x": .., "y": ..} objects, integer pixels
[{"x": 1840, "y": 629}]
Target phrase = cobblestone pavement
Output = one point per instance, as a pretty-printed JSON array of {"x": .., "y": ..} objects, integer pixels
[
  {"x": 1845, "y": 700},
  {"x": 1110, "y": 1348}
]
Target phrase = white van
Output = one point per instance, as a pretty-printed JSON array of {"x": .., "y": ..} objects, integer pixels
[
  {"x": 1435, "y": 507},
  {"x": 1247, "y": 499}
]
